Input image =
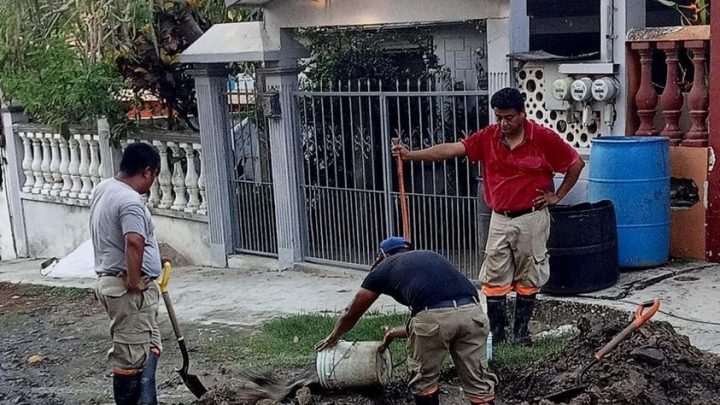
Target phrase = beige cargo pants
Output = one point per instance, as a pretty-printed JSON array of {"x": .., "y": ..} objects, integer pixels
[
  {"x": 133, "y": 323},
  {"x": 462, "y": 332},
  {"x": 516, "y": 255}
]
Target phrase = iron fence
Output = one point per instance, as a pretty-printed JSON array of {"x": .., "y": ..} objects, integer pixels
[
  {"x": 253, "y": 174},
  {"x": 350, "y": 184}
]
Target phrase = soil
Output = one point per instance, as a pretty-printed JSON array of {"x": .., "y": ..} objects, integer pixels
[
  {"x": 654, "y": 365},
  {"x": 53, "y": 351}
]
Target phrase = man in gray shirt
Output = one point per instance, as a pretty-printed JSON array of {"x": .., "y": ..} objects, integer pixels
[{"x": 127, "y": 259}]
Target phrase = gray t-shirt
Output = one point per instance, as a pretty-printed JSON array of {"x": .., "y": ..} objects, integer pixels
[{"x": 116, "y": 210}]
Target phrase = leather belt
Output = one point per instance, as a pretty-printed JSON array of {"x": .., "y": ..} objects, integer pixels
[
  {"x": 515, "y": 214},
  {"x": 448, "y": 304}
]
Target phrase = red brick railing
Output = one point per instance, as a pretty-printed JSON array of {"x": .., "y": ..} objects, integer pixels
[{"x": 674, "y": 104}]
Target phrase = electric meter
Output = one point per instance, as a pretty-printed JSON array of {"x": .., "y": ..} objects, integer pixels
[
  {"x": 561, "y": 89},
  {"x": 581, "y": 89},
  {"x": 605, "y": 89}
]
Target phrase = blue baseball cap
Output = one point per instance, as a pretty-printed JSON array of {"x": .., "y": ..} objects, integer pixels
[{"x": 392, "y": 243}]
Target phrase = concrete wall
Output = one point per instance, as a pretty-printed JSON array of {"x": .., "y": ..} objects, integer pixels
[
  {"x": 457, "y": 48},
  {"x": 687, "y": 226},
  {"x": 189, "y": 238},
  {"x": 54, "y": 230},
  {"x": 320, "y": 13}
]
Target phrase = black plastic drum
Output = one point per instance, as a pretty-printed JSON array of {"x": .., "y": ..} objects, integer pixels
[{"x": 583, "y": 248}]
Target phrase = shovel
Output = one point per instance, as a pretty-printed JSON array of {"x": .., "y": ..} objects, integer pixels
[
  {"x": 643, "y": 313},
  {"x": 190, "y": 380},
  {"x": 403, "y": 200}
]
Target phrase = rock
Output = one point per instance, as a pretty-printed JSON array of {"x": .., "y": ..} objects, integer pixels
[
  {"x": 560, "y": 331},
  {"x": 304, "y": 396},
  {"x": 34, "y": 359},
  {"x": 267, "y": 402},
  {"x": 648, "y": 355}
]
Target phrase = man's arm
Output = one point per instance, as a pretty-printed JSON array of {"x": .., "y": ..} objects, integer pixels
[
  {"x": 442, "y": 151},
  {"x": 134, "y": 252},
  {"x": 362, "y": 301},
  {"x": 571, "y": 177},
  {"x": 398, "y": 332}
]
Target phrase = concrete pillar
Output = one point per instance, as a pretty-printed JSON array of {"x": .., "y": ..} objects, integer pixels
[
  {"x": 13, "y": 183},
  {"x": 626, "y": 14},
  {"x": 499, "y": 69},
  {"x": 217, "y": 159},
  {"x": 280, "y": 83},
  {"x": 110, "y": 156},
  {"x": 519, "y": 30},
  {"x": 712, "y": 229}
]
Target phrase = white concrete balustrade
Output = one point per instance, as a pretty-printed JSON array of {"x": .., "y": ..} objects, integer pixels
[
  {"x": 67, "y": 170},
  {"x": 180, "y": 185},
  {"x": 59, "y": 169}
]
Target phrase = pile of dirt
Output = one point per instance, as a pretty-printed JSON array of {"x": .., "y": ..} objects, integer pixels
[
  {"x": 655, "y": 365},
  {"x": 263, "y": 388}
]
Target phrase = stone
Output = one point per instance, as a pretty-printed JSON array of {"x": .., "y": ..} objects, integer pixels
[{"x": 648, "y": 355}]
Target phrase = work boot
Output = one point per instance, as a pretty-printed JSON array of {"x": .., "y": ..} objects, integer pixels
[
  {"x": 496, "y": 308},
  {"x": 148, "y": 389},
  {"x": 126, "y": 389},
  {"x": 524, "y": 305},
  {"x": 433, "y": 399}
]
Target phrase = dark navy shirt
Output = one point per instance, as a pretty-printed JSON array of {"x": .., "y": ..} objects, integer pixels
[{"x": 419, "y": 279}]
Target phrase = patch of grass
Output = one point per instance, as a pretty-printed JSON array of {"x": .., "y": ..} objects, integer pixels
[
  {"x": 290, "y": 341},
  {"x": 64, "y": 293},
  {"x": 514, "y": 356}
]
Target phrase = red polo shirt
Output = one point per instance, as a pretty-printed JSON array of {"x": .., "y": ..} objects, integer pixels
[{"x": 512, "y": 178}]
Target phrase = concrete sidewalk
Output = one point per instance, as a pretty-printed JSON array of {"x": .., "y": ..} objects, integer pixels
[
  {"x": 253, "y": 292},
  {"x": 247, "y": 295}
]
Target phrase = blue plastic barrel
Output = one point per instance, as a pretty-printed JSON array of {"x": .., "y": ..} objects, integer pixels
[{"x": 634, "y": 173}]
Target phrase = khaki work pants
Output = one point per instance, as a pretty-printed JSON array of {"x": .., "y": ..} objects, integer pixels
[
  {"x": 462, "y": 332},
  {"x": 133, "y": 322},
  {"x": 516, "y": 255}
]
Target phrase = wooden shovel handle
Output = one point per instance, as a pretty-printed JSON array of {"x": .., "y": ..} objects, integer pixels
[{"x": 403, "y": 199}]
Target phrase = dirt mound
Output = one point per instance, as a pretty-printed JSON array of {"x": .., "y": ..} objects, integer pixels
[
  {"x": 655, "y": 365},
  {"x": 260, "y": 388}
]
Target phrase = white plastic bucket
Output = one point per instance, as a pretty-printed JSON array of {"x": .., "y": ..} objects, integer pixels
[{"x": 353, "y": 364}]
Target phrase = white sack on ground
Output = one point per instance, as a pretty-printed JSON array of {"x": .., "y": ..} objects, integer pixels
[{"x": 80, "y": 263}]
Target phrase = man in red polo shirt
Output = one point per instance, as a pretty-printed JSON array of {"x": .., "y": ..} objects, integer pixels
[{"x": 519, "y": 159}]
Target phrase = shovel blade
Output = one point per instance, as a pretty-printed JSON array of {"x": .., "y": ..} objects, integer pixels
[
  {"x": 193, "y": 383},
  {"x": 566, "y": 394}
]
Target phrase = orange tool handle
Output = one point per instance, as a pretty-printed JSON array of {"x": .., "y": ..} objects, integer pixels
[
  {"x": 403, "y": 199},
  {"x": 641, "y": 316}
]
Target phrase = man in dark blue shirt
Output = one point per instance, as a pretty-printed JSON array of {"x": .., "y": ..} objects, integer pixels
[{"x": 445, "y": 317}]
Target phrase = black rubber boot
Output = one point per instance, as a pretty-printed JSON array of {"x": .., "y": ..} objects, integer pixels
[
  {"x": 524, "y": 306},
  {"x": 148, "y": 389},
  {"x": 496, "y": 308},
  {"x": 433, "y": 399},
  {"x": 126, "y": 389}
]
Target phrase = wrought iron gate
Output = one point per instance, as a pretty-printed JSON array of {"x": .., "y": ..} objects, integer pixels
[
  {"x": 350, "y": 184},
  {"x": 253, "y": 174}
]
